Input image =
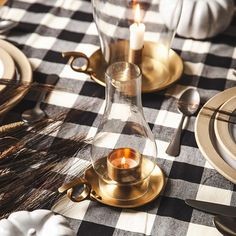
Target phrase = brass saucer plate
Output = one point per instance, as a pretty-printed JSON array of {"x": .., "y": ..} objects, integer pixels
[
  {"x": 25, "y": 73},
  {"x": 205, "y": 135},
  {"x": 155, "y": 78},
  {"x": 157, "y": 75},
  {"x": 156, "y": 185}
]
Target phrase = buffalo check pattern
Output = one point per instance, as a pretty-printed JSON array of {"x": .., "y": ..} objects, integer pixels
[{"x": 47, "y": 28}]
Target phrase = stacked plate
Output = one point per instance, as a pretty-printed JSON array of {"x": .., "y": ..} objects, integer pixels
[
  {"x": 15, "y": 68},
  {"x": 215, "y": 132}
]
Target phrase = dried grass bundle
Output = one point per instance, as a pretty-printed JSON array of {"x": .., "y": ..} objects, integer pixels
[{"x": 34, "y": 163}]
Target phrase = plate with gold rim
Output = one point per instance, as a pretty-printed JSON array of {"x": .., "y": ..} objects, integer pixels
[
  {"x": 224, "y": 128},
  {"x": 205, "y": 134},
  {"x": 23, "y": 68}
]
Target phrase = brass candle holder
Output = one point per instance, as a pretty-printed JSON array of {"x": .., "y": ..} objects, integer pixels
[
  {"x": 126, "y": 183},
  {"x": 123, "y": 151},
  {"x": 156, "y": 73},
  {"x": 124, "y": 166}
]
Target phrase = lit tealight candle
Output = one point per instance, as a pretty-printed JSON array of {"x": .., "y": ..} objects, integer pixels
[
  {"x": 123, "y": 165},
  {"x": 137, "y": 30}
]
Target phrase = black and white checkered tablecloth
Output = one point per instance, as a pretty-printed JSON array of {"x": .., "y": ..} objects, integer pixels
[{"x": 47, "y": 28}]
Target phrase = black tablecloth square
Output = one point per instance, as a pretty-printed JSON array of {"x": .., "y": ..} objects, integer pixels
[
  {"x": 39, "y": 8},
  {"x": 176, "y": 208},
  {"x": 53, "y": 56},
  {"x": 82, "y": 16},
  {"x": 213, "y": 84},
  {"x": 92, "y": 229},
  {"x": 186, "y": 172},
  {"x": 81, "y": 117},
  {"x": 147, "y": 100},
  {"x": 188, "y": 139},
  {"x": 70, "y": 36},
  {"x": 92, "y": 89}
]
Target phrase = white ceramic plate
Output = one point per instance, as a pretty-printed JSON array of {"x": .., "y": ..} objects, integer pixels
[
  {"x": 24, "y": 69},
  {"x": 7, "y": 66},
  {"x": 224, "y": 131},
  {"x": 205, "y": 135}
]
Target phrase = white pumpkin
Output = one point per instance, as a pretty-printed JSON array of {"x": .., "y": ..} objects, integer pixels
[
  {"x": 200, "y": 19},
  {"x": 35, "y": 223}
]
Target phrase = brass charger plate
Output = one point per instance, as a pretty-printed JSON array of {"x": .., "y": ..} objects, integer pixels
[
  {"x": 205, "y": 135},
  {"x": 156, "y": 76},
  {"x": 156, "y": 185},
  {"x": 23, "y": 69}
]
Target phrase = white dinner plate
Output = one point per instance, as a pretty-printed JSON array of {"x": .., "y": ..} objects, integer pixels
[
  {"x": 7, "y": 66},
  {"x": 205, "y": 135},
  {"x": 224, "y": 130},
  {"x": 24, "y": 70}
]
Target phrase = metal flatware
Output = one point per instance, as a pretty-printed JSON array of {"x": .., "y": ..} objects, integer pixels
[
  {"x": 6, "y": 25},
  {"x": 188, "y": 104},
  {"x": 33, "y": 115},
  {"x": 213, "y": 208},
  {"x": 37, "y": 114},
  {"x": 234, "y": 72},
  {"x": 226, "y": 225},
  {"x": 33, "y": 85}
]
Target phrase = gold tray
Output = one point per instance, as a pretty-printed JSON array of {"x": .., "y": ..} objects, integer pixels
[
  {"x": 156, "y": 75},
  {"x": 156, "y": 185}
]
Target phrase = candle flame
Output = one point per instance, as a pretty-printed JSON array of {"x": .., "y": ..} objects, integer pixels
[
  {"x": 137, "y": 15},
  {"x": 123, "y": 161}
]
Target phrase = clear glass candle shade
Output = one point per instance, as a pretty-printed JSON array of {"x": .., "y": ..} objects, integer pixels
[
  {"x": 137, "y": 22},
  {"x": 124, "y": 149}
]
